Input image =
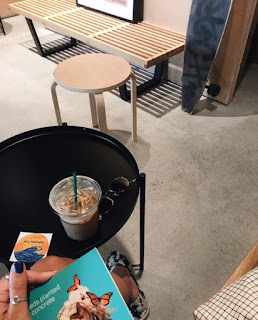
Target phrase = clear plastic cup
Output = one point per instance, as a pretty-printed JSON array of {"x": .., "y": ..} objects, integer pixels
[{"x": 80, "y": 220}]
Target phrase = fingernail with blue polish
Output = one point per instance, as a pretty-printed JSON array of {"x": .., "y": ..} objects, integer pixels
[{"x": 18, "y": 267}]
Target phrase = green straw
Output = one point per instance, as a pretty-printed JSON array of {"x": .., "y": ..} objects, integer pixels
[{"x": 75, "y": 186}]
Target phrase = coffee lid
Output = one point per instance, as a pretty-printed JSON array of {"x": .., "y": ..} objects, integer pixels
[{"x": 62, "y": 198}]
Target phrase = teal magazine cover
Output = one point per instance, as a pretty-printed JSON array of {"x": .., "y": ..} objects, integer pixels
[{"x": 84, "y": 290}]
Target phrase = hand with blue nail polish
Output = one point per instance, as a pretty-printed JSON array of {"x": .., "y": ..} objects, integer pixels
[{"x": 13, "y": 291}]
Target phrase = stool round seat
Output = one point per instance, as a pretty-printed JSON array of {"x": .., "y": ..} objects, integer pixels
[{"x": 92, "y": 73}]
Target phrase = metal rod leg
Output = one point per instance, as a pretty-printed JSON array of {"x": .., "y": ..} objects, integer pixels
[
  {"x": 35, "y": 37},
  {"x": 93, "y": 107},
  {"x": 159, "y": 71},
  {"x": 154, "y": 81},
  {"x": 142, "y": 218},
  {"x": 55, "y": 102},
  {"x": 124, "y": 93},
  {"x": 101, "y": 112},
  {"x": 2, "y": 26},
  {"x": 134, "y": 106},
  {"x": 41, "y": 51}
]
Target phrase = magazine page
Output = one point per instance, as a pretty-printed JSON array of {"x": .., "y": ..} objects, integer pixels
[{"x": 84, "y": 290}]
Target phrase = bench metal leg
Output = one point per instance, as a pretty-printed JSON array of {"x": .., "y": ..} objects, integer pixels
[
  {"x": 125, "y": 93},
  {"x": 56, "y": 104},
  {"x": 2, "y": 26},
  {"x": 41, "y": 51}
]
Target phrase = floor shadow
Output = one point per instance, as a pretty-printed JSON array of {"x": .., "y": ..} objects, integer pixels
[
  {"x": 242, "y": 75},
  {"x": 163, "y": 98},
  {"x": 209, "y": 108},
  {"x": 120, "y": 135},
  {"x": 139, "y": 150},
  {"x": 3, "y": 269},
  {"x": 244, "y": 102},
  {"x": 205, "y": 104},
  {"x": 7, "y": 28},
  {"x": 116, "y": 244},
  {"x": 158, "y": 101}
]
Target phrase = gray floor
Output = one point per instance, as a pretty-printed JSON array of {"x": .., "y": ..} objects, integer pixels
[{"x": 202, "y": 173}]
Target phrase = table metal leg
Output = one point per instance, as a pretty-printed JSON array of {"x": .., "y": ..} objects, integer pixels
[
  {"x": 134, "y": 107},
  {"x": 55, "y": 102},
  {"x": 142, "y": 218},
  {"x": 142, "y": 183},
  {"x": 41, "y": 51}
]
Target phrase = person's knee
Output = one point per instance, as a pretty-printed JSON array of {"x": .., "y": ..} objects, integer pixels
[
  {"x": 121, "y": 286},
  {"x": 51, "y": 263}
]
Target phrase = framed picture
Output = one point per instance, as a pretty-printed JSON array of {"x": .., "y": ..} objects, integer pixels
[{"x": 129, "y": 10}]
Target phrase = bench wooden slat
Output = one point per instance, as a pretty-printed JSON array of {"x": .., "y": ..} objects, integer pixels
[
  {"x": 90, "y": 29},
  {"x": 36, "y": 11},
  {"x": 86, "y": 20},
  {"x": 163, "y": 31},
  {"x": 44, "y": 11},
  {"x": 76, "y": 25},
  {"x": 124, "y": 46},
  {"x": 149, "y": 47},
  {"x": 60, "y": 5},
  {"x": 147, "y": 41},
  {"x": 162, "y": 57},
  {"x": 157, "y": 33},
  {"x": 148, "y": 36},
  {"x": 98, "y": 16},
  {"x": 117, "y": 37},
  {"x": 86, "y": 30},
  {"x": 142, "y": 44}
]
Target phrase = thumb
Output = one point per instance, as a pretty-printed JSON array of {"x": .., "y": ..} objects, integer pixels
[{"x": 18, "y": 290}]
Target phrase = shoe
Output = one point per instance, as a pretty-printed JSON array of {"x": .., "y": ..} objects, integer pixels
[{"x": 139, "y": 308}]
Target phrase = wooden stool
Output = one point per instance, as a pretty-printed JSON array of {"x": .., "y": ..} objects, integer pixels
[{"x": 95, "y": 73}]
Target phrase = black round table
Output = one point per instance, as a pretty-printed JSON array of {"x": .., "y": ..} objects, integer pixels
[{"x": 31, "y": 163}]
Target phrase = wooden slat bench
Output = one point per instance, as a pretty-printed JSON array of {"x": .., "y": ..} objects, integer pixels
[{"x": 142, "y": 44}]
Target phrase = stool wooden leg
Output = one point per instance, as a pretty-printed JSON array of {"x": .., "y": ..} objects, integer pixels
[
  {"x": 93, "y": 107},
  {"x": 101, "y": 112},
  {"x": 55, "y": 102},
  {"x": 134, "y": 106}
]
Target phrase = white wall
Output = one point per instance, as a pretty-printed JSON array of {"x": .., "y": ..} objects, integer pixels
[{"x": 173, "y": 15}]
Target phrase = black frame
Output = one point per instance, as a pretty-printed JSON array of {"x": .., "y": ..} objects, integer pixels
[{"x": 137, "y": 11}]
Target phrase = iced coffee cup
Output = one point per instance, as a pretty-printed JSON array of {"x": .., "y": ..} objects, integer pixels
[{"x": 79, "y": 217}]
